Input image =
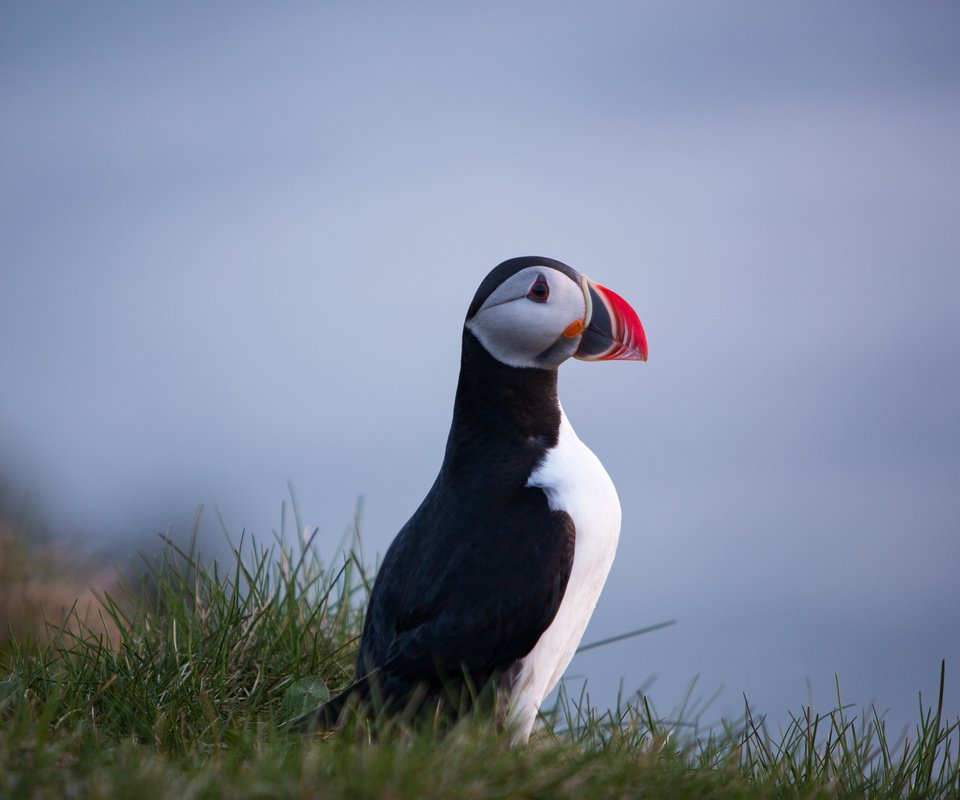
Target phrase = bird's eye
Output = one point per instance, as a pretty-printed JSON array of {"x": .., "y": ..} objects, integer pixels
[{"x": 540, "y": 290}]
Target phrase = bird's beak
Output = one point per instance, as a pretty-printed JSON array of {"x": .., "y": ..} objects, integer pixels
[{"x": 611, "y": 328}]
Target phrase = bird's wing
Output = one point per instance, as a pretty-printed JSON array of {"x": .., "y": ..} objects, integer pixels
[{"x": 471, "y": 593}]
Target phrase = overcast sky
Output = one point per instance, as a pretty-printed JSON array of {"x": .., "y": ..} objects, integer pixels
[{"x": 237, "y": 242}]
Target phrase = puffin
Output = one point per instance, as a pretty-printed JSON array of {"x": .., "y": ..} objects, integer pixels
[{"x": 492, "y": 581}]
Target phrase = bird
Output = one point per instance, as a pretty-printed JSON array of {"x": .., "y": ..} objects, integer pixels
[{"x": 494, "y": 578}]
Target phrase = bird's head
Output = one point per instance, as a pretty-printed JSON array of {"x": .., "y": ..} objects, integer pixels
[{"x": 537, "y": 312}]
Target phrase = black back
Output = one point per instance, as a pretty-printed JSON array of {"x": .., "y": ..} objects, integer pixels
[{"x": 477, "y": 574}]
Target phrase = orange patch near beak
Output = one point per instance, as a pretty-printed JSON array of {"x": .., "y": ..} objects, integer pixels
[{"x": 575, "y": 328}]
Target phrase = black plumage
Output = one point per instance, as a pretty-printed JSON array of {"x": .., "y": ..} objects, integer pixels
[{"x": 477, "y": 574}]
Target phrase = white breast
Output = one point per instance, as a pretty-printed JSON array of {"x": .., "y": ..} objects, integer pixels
[{"x": 574, "y": 481}]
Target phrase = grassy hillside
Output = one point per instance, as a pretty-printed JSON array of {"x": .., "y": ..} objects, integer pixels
[{"x": 180, "y": 687}]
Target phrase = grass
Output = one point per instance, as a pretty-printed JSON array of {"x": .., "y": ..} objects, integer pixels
[{"x": 182, "y": 685}]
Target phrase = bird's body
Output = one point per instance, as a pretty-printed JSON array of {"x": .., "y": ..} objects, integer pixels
[{"x": 495, "y": 576}]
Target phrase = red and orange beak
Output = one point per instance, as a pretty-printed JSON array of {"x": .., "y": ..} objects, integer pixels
[{"x": 611, "y": 328}]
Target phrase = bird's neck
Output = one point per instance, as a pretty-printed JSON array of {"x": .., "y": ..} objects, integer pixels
[{"x": 504, "y": 413}]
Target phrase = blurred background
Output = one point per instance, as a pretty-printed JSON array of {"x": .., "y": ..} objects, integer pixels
[{"x": 237, "y": 242}]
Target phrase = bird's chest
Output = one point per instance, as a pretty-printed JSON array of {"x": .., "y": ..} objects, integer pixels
[{"x": 575, "y": 481}]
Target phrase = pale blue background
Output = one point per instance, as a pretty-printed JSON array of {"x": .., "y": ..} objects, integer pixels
[{"x": 237, "y": 242}]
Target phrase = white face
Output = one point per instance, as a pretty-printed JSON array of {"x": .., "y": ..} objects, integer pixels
[{"x": 523, "y": 321}]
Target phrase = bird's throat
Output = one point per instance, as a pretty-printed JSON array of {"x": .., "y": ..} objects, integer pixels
[{"x": 499, "y": 408}]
